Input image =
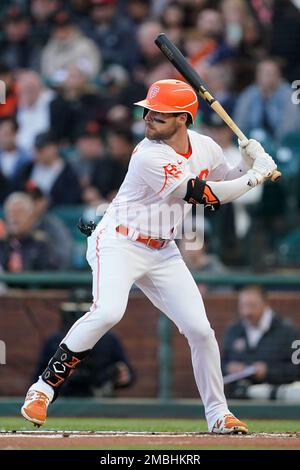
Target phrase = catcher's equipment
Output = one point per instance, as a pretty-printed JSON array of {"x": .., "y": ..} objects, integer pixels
[
  {"x": 86, "y": 229},
  {"x": 199, "y": 192},
  {"x": 171, "y": 96}
]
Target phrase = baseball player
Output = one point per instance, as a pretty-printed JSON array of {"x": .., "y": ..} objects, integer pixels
[{"x": 172, "y": 168}]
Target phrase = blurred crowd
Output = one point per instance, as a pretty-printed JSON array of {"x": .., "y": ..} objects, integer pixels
[{"x": 73, "y": 70}]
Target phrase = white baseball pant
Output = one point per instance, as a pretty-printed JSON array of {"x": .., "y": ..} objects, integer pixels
[{"x": 117, "y": 263}]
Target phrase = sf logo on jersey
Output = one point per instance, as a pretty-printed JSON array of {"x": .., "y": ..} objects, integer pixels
[{"x": 171, "y": 170}]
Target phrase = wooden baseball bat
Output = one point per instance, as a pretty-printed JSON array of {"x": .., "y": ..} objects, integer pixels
[{"x": 174, "y": 55}]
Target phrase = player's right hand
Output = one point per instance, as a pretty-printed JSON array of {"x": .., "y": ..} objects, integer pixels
[{"x": 262, "y": 169}]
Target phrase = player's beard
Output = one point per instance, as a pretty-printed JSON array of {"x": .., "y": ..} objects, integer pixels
[{"x": 153, "y": 134}]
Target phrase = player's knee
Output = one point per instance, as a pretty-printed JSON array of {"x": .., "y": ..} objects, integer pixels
[
  {"x": 107, "y": 317},
  {"x": 200, "y": 332}
]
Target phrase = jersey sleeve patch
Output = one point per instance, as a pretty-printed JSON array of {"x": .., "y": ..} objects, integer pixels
[{"x": 171, "y": 172}]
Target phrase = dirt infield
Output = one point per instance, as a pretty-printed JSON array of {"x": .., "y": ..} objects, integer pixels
[{"x": 122, "y": 440}]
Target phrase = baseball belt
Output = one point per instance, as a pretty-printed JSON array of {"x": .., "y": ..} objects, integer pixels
[{"x": 156, "y": 243}]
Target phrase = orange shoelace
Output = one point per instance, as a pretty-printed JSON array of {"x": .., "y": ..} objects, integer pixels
[
  {"x": 42, "y": 397},
  {"x": 38, "y": 396}
]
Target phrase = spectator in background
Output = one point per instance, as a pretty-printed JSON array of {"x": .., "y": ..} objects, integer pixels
[
  {"x": 251, "y": 50},
  {"x": 33, "y": 113},
  {"x": 219, "y": 78},
  {"x": 235, "y": 15},
  {"x": 89, "y": 149},
  {"x": 138, "y": 11},
  {"x": 267, "y": 103},
  {"x": 120, "y": 92},
  {"x": 76, "y": 102},
  {"x": 68, "y": 46},
  {"x": 12, "y": 157},
  {"x": 110, "y": 172},
  {"x": 16, "y": 47},
  {"x": 106, "y": 370},
  {"x": 59, "y": 236},
  {"x": 262, "y": 339},
  {"x": 41, "y": 12},
  {"x": 51, "y": 174},
  {"x": 210, "y": 23},
  {"x": 80, "y": 10},
  {"x": 114, "y": 82},
  {"x": 9, "y": 108},
  {"x": 151, "y": 57},
  {"x": 173, "y": 21},
  {"x": 22, "y": 246},
  {"x": 199, "y": 48},
  {"x": 152, "y": 66},
  {"x": 113, "y": 34},
  {"x": 285, "y": 36}
]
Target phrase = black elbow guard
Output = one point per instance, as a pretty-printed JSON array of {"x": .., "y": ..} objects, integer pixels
[{"x": 199, "y": 192}]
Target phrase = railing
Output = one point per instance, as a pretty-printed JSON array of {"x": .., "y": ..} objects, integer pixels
[{"x": 65, "y": 279}]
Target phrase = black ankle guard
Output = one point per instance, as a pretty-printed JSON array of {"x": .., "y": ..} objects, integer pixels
[{"x": 61, "y": 365}]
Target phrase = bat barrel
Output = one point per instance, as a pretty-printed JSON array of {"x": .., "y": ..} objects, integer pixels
[{"x": 176, "y": 57}]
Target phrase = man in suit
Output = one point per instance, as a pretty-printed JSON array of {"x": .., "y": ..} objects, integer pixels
[{"x": 262, "y": 339}]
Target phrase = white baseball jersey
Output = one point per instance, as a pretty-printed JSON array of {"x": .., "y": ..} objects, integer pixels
[{"x": 145, "y": 201}]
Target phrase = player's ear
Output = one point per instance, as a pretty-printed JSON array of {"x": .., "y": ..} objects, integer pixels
[{"x": 183, "y": 118}]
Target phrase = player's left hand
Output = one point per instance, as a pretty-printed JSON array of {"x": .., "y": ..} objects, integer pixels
[{"x": 250, "y": 150}]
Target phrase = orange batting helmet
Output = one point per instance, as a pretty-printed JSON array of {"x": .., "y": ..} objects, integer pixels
[{"x": 171, "y": 96}]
